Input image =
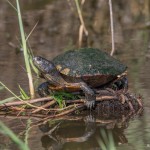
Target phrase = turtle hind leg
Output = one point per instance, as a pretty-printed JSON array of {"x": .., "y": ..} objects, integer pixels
[
  {"x": 43, "y": 89},
  {"x": 120, "y": 84},
  {"x": 124, "y": 83}
]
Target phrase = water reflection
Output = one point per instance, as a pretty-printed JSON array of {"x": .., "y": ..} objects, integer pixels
[{"x": 85, "y": 132}]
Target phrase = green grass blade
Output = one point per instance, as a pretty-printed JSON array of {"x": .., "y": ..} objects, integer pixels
[
  {"x": 31, "y": 31},
  {"x": 17, "y": 97},
  {"x": 61, "y": 96},
  {"x": 7, "y": 100},
  {"x": 25, "y": 50},
  {"x": 5, "y": 130},
  {"x": 111, "y": 141},
  {"x": 101, "y": 144},
  {"x": 27, "y": 131},
  {"x": 1, "y": 88},
  {"x": 12, "y": 5},
  {"x": 23, "y": 94}
]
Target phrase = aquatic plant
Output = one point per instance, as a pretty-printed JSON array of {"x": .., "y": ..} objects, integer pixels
[
  {"x": 25, "y": 50},
  {"x": 6, "y": 131},
  {"x": 107, "y": 141}
]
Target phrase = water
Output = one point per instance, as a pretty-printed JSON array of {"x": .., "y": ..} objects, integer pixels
[{"x": 56, "y": 32}]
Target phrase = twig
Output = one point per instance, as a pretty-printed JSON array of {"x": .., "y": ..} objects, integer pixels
[
  {"x": 73, "y": 105},
  {"x": 25, "y": 102},
  {"x": 82, "y": 28},
  {"x": 21, "y": 111},
  {"x": 13, "y": 116},
  {"x": 76, "y": 107},
  {"x": 80, "y": 35},
  {"x": 58, "y": 110},
  {"x": 112, "y": 28},
  {"x": 44, "y": 106},
  {"x": 81, "y": 17},
  {"x": 17, "y": 108},
  {"x": 139, "y": 100},
  {"x": 98, "y": 98},
  {"x": 16, "y": 103}
]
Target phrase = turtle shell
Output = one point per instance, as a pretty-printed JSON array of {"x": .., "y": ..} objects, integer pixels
[{"x": 93, "y": 66}]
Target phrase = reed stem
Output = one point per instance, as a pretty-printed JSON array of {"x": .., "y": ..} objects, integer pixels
[
  {"x": 112, "y": 28},
  {"x": 25, "y": 51}
]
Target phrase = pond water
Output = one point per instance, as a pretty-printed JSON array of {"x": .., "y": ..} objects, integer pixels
[{"x": 57, "y": 30}]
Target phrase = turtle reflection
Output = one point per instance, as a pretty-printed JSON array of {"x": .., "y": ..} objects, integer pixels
[{"x": 84, "y": 132}]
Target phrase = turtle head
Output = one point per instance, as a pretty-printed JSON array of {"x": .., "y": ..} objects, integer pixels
[
  {"x": 48, "y": 70},
  {"x": 44, "y": 66}
]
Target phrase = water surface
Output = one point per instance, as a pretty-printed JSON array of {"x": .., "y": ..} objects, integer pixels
[{"x": 57, "y": 31}]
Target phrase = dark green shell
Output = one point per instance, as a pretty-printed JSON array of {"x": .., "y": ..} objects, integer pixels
[{"x": 88, "y": 62}]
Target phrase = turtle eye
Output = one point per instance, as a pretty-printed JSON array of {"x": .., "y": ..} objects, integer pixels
[{"x": 37, "y": 59}]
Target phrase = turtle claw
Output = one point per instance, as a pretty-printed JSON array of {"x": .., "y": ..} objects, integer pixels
[
  {"x": 89, "y": 118},
  {"x": 90, "y": 104}
]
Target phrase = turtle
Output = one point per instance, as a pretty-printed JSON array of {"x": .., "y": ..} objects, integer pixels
[{"x": 79, "y": 70}]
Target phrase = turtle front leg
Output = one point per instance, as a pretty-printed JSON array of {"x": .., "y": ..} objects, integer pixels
[
  {"x": 43, "y": 89},
  {"x": 89, "y": 95}
]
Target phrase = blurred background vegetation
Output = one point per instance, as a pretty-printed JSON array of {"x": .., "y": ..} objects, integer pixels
[{"x": 58, "y": 30}]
